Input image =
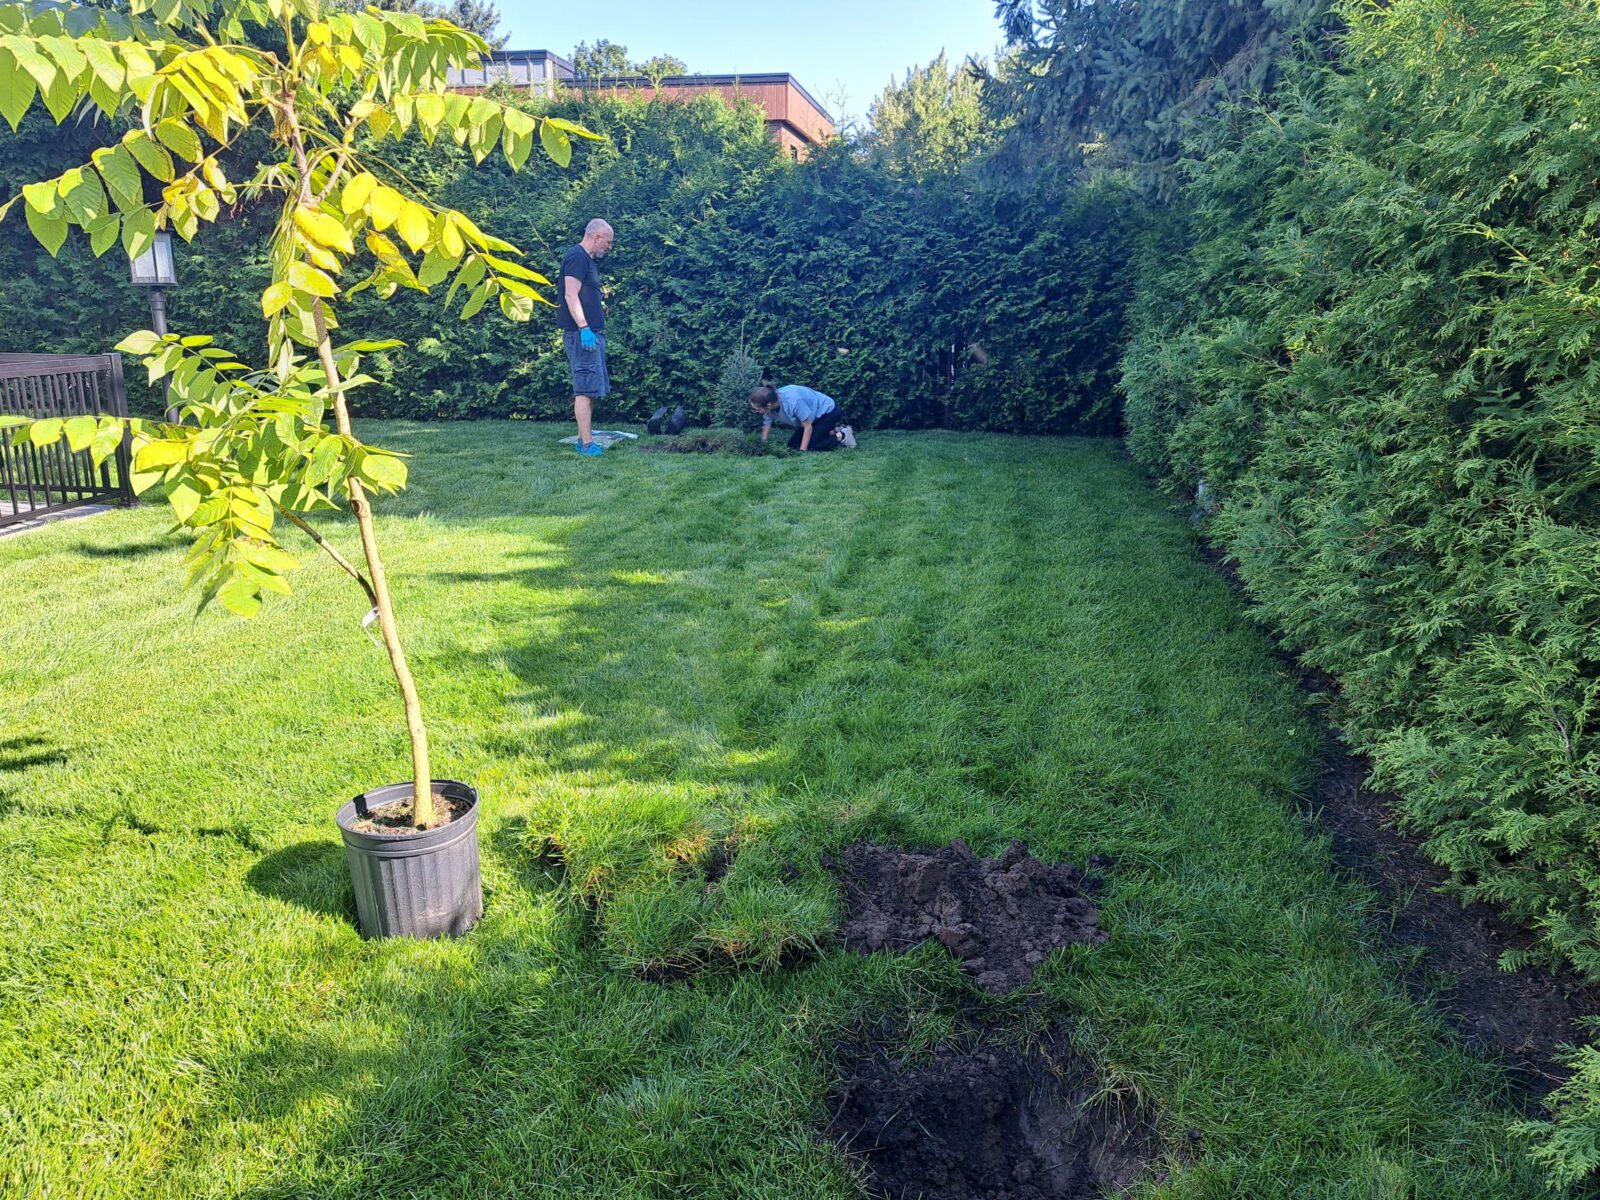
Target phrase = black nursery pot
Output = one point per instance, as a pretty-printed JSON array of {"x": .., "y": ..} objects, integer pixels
[{"x": 414, "y": 883}]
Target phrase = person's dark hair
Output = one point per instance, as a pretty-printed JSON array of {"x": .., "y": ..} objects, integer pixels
[{"x": 766, "y": 395}]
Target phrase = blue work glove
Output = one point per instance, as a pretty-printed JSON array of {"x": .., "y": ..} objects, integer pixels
[{"x": 586, "y": 336}]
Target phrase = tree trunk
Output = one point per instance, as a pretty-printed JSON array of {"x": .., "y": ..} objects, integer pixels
[{"x": 421, "y": 773}]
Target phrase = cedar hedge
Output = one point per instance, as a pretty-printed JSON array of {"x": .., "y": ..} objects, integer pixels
[
  {"x": 1369, "y": 327},
  {"x": 915, "y": 307}
]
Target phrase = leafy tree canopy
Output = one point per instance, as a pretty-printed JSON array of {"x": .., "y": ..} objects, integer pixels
[
  {"x": 481, "y": 17},
  {"x": 1128, "y": 78},
  {"x": 931, "y": 122},
  {"x": 608, "y": 58}
]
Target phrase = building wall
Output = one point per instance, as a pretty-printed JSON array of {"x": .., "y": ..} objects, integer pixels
[
  {"x": 792, "y": 120},
  {"x": 795, "y": 146},
  {"x": 535, "y": 76}
]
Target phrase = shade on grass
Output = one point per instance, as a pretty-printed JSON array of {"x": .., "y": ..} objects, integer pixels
[{"x": 639, "y": 660}]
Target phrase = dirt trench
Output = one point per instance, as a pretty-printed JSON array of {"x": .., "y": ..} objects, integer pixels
[
  {"x": 982, "y": 1117},
  {"x": 1451, "y": 952},
  {"x": 998, "y": 1122}
]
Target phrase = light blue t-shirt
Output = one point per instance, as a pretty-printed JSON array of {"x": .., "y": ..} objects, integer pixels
[{"x": 797, "y": 404}]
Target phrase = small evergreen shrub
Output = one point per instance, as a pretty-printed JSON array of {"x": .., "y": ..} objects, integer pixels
[{"x": 731, "y": 404}]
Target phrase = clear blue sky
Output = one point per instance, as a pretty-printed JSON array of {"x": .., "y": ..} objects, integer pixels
[{"x": 854, "y": 46}]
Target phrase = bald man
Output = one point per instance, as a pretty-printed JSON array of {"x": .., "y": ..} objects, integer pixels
[{"x": 582, "y": 318}]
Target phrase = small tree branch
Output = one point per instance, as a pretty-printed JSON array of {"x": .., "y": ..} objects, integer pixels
[
  {"x": 333, "y": 552},
  {"x": 341, "y": 160}
]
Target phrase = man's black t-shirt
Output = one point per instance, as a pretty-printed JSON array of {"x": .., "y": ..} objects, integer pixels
[{"x": 581, "y": 267}]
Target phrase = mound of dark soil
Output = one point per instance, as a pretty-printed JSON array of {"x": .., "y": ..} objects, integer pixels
[
  {"x": 998, "y": 1123},
  {"x": 999, "y": 916}
]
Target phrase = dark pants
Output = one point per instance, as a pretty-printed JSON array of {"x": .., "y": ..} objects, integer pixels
[{"x": 821, "y": 432}]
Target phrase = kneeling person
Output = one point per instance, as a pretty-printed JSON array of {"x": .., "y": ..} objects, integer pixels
[{"x": 817, "y": 420}]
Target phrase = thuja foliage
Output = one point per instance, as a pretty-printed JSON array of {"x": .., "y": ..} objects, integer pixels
[
  {"x": 939, "y": 306},
  {"x": 1369, "y": 325},
  {"x": 942, "y": 305},
  {"x": 1568, "y": 1146},
  {"x": 1378, "y": 349},
  {"x": 1380, "y": 355}
]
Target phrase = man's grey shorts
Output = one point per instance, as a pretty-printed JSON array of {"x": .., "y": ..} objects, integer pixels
[{"x": 589, "y": 377}]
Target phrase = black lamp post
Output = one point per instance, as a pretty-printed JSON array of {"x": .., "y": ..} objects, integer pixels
[{"x": 156, "y": 271}]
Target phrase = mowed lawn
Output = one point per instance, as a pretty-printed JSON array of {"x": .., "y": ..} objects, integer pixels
[{"x": 639, "y": 660}]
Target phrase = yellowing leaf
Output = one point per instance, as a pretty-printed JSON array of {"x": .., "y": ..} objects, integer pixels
[
  {"x": 516, "y": 270},
  {"x": 106, "y": 440},
  {"x": 385, "y": 206},
  {"x": 276, "y": 297},
  {"x": 430, "y": 111},
  {"x": 450, "y": 239},
  {"x": 357, "y": 192},
  {"x": 140, "y": 343},
  {"x": 303, "y": 278},
  {"x": 556, "y": 143},
  {"x": 322, "y": 229},
  {"x": 79, "y": 431},
  {"x": 42, "y": 198},
  {"x": 51, "y": 231},
  {"x": 43, "y": 433},
  {"x": 385, "y": 250},
  {"x": 574, "y": 128},
  {"x": 213, "y": 174},
  {"x": 318, "y": 257},
  {"x": 154, "y": 455},
  {"x": 516, "y": 308},
  {"x": 412, "y": 225}
]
